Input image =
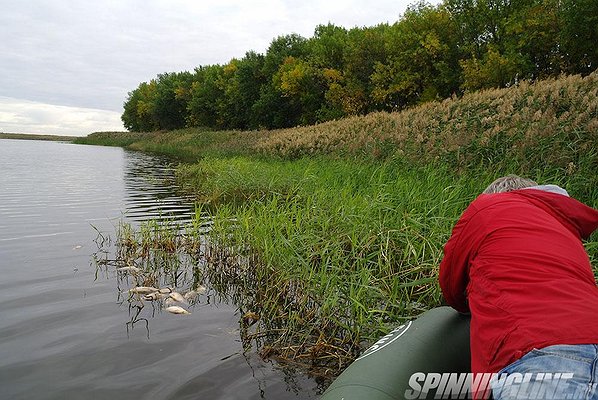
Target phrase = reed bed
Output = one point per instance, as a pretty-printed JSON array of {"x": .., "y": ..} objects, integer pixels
[
  {"x": 546, "y": 124},
  {"x": 338, "y": 260}
]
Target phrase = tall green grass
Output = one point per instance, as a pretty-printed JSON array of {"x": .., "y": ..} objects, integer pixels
[{"x": 331, "y": 253}]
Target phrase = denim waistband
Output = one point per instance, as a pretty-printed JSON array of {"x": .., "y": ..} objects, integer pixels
[{"x": 586, "y": 352}]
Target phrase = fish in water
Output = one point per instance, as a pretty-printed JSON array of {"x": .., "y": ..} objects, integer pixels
[
  {"x": 154, "y": 296},
  {"x": 169, "y": 301},
  {"x": 177, "y": 310},
  {"x": 177, "y": 297},
  {"x": 143, "y": 290},
  {"x": 201, "y": 289},
  {"x": 190, "y": 295}
]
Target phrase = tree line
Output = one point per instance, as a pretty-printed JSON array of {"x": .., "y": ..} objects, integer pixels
[{"x": 432, "y": 52}]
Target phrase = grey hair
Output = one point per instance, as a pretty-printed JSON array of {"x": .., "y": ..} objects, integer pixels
[{"x": 508, "y": 183}]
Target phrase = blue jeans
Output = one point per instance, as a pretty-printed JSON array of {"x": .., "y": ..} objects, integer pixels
[{"x": 554, "y": 372}]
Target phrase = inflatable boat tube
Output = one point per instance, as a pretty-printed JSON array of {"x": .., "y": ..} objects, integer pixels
[{"x": 437, "y": 341}]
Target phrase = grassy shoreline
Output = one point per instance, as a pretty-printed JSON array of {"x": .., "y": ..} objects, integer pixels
[
  {"x": 333, "y": 233},
  {"x": 546, "y": 130}
]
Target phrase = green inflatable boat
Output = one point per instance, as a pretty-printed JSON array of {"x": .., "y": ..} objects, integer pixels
[{"x": 409, "y": 362}]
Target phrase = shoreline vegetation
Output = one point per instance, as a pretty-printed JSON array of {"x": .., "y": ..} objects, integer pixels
[
  {"x": 331, "y": 234},
  {"x": 31, "y": 136}
]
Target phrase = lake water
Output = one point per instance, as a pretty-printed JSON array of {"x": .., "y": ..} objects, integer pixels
[{"x": 64, "y": 334}]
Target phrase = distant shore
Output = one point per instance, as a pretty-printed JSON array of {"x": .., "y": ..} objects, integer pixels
[{"x": 27, "y": 136}]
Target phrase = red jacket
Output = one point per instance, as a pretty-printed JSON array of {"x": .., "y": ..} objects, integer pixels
[{"x": 515, "y": 261}]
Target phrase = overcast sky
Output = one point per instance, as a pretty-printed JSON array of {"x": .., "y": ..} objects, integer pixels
[{"x": 66, "y": 66}]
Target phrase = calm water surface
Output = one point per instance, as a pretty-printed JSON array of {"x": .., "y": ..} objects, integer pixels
[{"x": 63, "y": 333}]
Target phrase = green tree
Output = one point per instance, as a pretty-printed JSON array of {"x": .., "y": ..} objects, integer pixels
[
  {"x": 139, "y": 115},
  {"x": 206, "y": 96},
  {"x": 422, "y": 61},
  {"x": 273, "y": 109},
  {"x": 482, "y": 22},
  {"x": 532, "y": 33},
  {"x": 129, "y": 117},
  {"x": 579, "y": 35},
  {"x": 365, "y": 49},
  {"x": 171, "y": 98},
  {"x": 243, "y": 80},
  {"x": 304, "y": 87},
  {"x": 493, "y": 70},
  {"x": 328, "y": 46},
  {"x": 505, "y": 41}
]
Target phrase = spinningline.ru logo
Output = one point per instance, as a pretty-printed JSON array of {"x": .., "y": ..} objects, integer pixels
[{"x": 529, "y": 386}]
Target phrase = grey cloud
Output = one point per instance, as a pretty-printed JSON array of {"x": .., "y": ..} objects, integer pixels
[
  {"x": 31, "y": 117},
  {"x": 89, "y": 54}
]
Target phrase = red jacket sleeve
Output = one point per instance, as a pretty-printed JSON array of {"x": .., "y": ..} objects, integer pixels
[{"x": 458, "y": 251}]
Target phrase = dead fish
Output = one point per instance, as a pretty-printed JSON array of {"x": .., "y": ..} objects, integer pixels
[
  {"x": 169, "y": 302},
  {"x": 190, "y": 295},
  {"x": 153, "y": 296},
  {"x": 165, "y": 290},
  {"x": 77, "y": 247},
  {"x": 128, "y": 269},
  {"x": 177, "y": 297},
  {"x": 143, "y": 290},
  {"x": 177, "y": 310},
  {"x": 201, "y": 289}
]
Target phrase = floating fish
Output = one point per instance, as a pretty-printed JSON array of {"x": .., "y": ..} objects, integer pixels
[
  {"x": 165, "y": 290},
  {"x": 177, "y": 297},
  {"x": 128, "y": 269},
  {"x": 177, "y": 310},
  {"x": 154, "y": 296},
  {"x": 190, "y": 295},
  {"x": 201, "y": 289},
  {"x": 77, "y": 247},
  {"x": 143, "y": 290},
  {"x": 169, "y": 302}
]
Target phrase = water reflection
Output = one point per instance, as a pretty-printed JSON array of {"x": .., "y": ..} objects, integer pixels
[
  {"x": 63, "y": 326},
  {"x": 163, "y": 266},
  {"x": 164, "y": 248},
  {"x": 151, "y": 190}
]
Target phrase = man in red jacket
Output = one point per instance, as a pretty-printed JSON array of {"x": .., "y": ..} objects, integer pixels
[{"x": 516, "y": 262}]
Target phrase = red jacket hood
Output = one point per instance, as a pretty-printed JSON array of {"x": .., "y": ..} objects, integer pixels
[{"x": 578, "y": 217}]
